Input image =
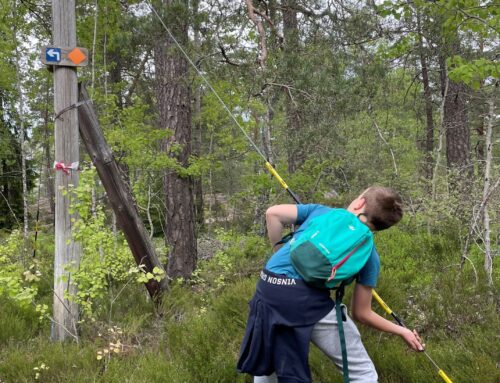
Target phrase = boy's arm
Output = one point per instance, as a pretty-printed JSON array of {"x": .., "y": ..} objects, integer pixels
[
  {"x": 362, "y": 312},
  {"x": 277, "y": 217}
]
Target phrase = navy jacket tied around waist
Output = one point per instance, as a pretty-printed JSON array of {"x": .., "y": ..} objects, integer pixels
[{"x": 282, "y": 315}]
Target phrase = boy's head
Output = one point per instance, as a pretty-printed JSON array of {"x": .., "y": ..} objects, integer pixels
[{"x": 382, "y": 207}]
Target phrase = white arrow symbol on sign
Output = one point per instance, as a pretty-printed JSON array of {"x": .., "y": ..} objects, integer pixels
[{"x": 53, "y": 53}]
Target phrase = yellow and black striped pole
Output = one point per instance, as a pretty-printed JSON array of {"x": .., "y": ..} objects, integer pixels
[
  {"x": 388, "y": 310},
  {"x": 273, "y": 171}
]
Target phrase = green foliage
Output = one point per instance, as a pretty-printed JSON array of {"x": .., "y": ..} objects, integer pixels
[
  {"x": 399, "y": 48},
  {"x": 105, "y": 258},
  {"x": 475, "y": 72},
  {"x": 11, "y": 202},
  {"x": 206, "y": 345},
  {"x": 7, "y": 46},
  {"x": 64, "y": 361},
  {"x": 17, "y": 323},
  {"x": 198, "y": 335},
  {"x": 235, "y": 256},
  {"x": 143, "y": 277},
  {"x": 16, "y": 283}
]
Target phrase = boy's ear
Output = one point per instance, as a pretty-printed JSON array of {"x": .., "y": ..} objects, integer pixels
[{"x": 360, "y": 203}]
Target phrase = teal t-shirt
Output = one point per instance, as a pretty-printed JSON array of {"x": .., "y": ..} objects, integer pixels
[{"x": 280, "y": 262}]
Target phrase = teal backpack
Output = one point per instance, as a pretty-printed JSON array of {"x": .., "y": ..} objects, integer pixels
[
  {"x": 329, "y": 254},
  {"x": 332, "y": 249}
]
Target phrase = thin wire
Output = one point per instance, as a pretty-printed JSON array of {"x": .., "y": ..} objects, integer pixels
[
  {"x": 10, "y": 208},
  {"x": 432, "y": 361},
  {"x": 205, "y": 80}
]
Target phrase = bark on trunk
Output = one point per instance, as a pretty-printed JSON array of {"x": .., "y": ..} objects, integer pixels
[
  {"x": 49, "y": 182},
  {"x": 197, "y": 181},
  {"x": 429, "y": 139},
  {"x": 173, "y": 97},
  {"x": 22, "y": 141},
  {"x": 457, "y": 128},
  {"x": 480, "y": 144},
  {"x": 480, "y": 128},
  {"x": 197, "y": 133},
  {"x": 488, "y": 259},
  {"x": 296, "y": 155},
  {"x": 262, "y": 128},
  {"x": 457, "y": 131}
]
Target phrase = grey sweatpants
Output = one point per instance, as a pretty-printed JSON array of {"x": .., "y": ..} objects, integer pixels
[{"x": 325, "y": 335}]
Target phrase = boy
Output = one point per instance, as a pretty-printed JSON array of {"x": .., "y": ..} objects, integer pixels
[{"x": 286, "y": 314}]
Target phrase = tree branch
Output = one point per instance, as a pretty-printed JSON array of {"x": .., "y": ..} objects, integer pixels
[
  {"x": 385, "y": 142},
  {"x": 261, "y": 30},
  {"x": 310, "y": 13},
  {"x": 285, "y": 86},
  {"x": 226, "y": 58},
  {"x": 478, "y": 19},
  {"x": 137, "y": 76}
]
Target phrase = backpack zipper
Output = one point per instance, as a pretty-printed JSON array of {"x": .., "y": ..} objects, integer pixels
[{"x": 344, "y": 260}]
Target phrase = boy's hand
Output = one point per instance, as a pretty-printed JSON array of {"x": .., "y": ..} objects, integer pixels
[{"x": 412, "y": 339}]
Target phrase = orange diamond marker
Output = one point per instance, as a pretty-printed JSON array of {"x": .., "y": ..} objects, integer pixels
[{"x": 76, "y": 56}]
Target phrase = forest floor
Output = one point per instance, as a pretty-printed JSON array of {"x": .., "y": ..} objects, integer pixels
[{"x": 194, "y": 336}]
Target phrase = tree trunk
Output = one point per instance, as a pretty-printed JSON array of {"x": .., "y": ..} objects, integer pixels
[
  {"x": 480, "y": 146},
  {"x": 429, "y": 139},
  {"x": 197, "y": 181},
  {"x": 115, "y": 55},
  {"x": 457, "y": 134},
  {"x": 296, "y": 155},
  {"x": 49, "y": 182},
  {"x": 22, "y": 137},
  {"x": 174, "y": 109},
  {"x": 198, "y": 130},
  {"x": 480, "y": 127},
  {"x": 260, "y": 198},
  {"x": 262, "y": 127},
  {"x": 456, "y": 129},
  {"x": 488, "y": 259}
]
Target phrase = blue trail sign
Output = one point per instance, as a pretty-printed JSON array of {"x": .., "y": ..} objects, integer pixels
[{"x": 52, "y": 54}]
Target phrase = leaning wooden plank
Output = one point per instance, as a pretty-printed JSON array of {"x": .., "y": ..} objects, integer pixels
[{"x": 118, "y": 192}]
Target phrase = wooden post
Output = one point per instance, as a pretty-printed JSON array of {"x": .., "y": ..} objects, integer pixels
[
  {"x": 118, "y": 192},
  {"x": 67, "y": 252}
]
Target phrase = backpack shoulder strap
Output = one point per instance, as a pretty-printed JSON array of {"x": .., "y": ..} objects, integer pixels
[
  {"x": 339, "y": 294},
  {"x": 285, "y": 239}
]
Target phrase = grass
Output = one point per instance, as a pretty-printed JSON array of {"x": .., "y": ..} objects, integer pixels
[{"x": 196, "y": 333}]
